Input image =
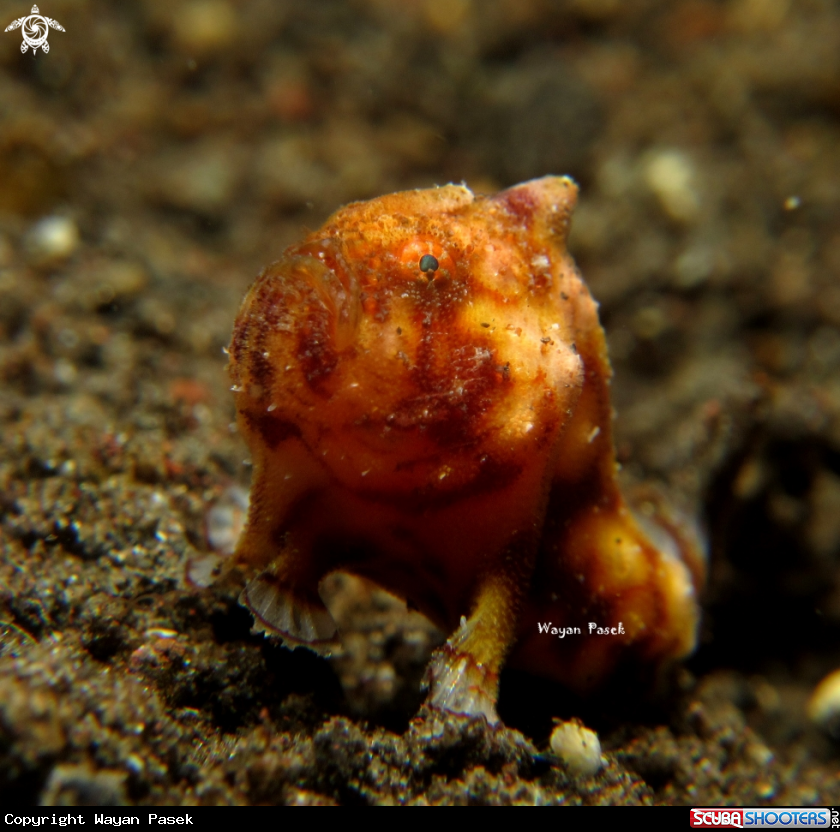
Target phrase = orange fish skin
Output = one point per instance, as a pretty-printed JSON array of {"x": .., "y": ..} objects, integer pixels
[{"x": 447, "y": 434}]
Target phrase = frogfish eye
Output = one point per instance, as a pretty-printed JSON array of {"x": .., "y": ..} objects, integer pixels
[{"x": 428, "y": 263}]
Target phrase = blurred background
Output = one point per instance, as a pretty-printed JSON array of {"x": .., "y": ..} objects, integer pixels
[{"x": 162, "y": 153}]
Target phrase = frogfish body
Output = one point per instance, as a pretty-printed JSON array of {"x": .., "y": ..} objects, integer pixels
[{"x": 424, "y": 387}]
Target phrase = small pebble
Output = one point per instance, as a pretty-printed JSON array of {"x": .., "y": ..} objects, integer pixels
[
  {"x": 577, "y": 747},
  {"x": 671, "y": 176},
  {"x": 79, "y": 785},
  {"x": 205, "y": 26},
  {"x": 824, "y": 704},
  {"x": 53, "y": 238}
]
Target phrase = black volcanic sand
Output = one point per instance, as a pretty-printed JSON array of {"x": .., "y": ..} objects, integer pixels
[{"x": 186, "y": 145}]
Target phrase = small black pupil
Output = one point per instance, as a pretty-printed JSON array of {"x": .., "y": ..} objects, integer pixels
[{"x": 428, "y": 263}]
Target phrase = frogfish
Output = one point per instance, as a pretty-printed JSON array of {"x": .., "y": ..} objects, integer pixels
[{"x": 424, "y": 386}]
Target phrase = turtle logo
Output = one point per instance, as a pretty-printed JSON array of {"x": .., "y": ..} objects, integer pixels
[{"x": 36, "y": 27}]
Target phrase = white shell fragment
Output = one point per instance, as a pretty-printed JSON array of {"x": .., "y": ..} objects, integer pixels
[
  {"x": 824, "y": 704},
  {"x": 226, "y": 519},
  {"x": 203, "y": 570},
  {"x": 577, "y": 747},
  {"x": 223, "y": 523}
]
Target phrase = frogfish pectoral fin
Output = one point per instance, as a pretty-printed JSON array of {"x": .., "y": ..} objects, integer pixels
[{"x": 298, "y": 620}]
